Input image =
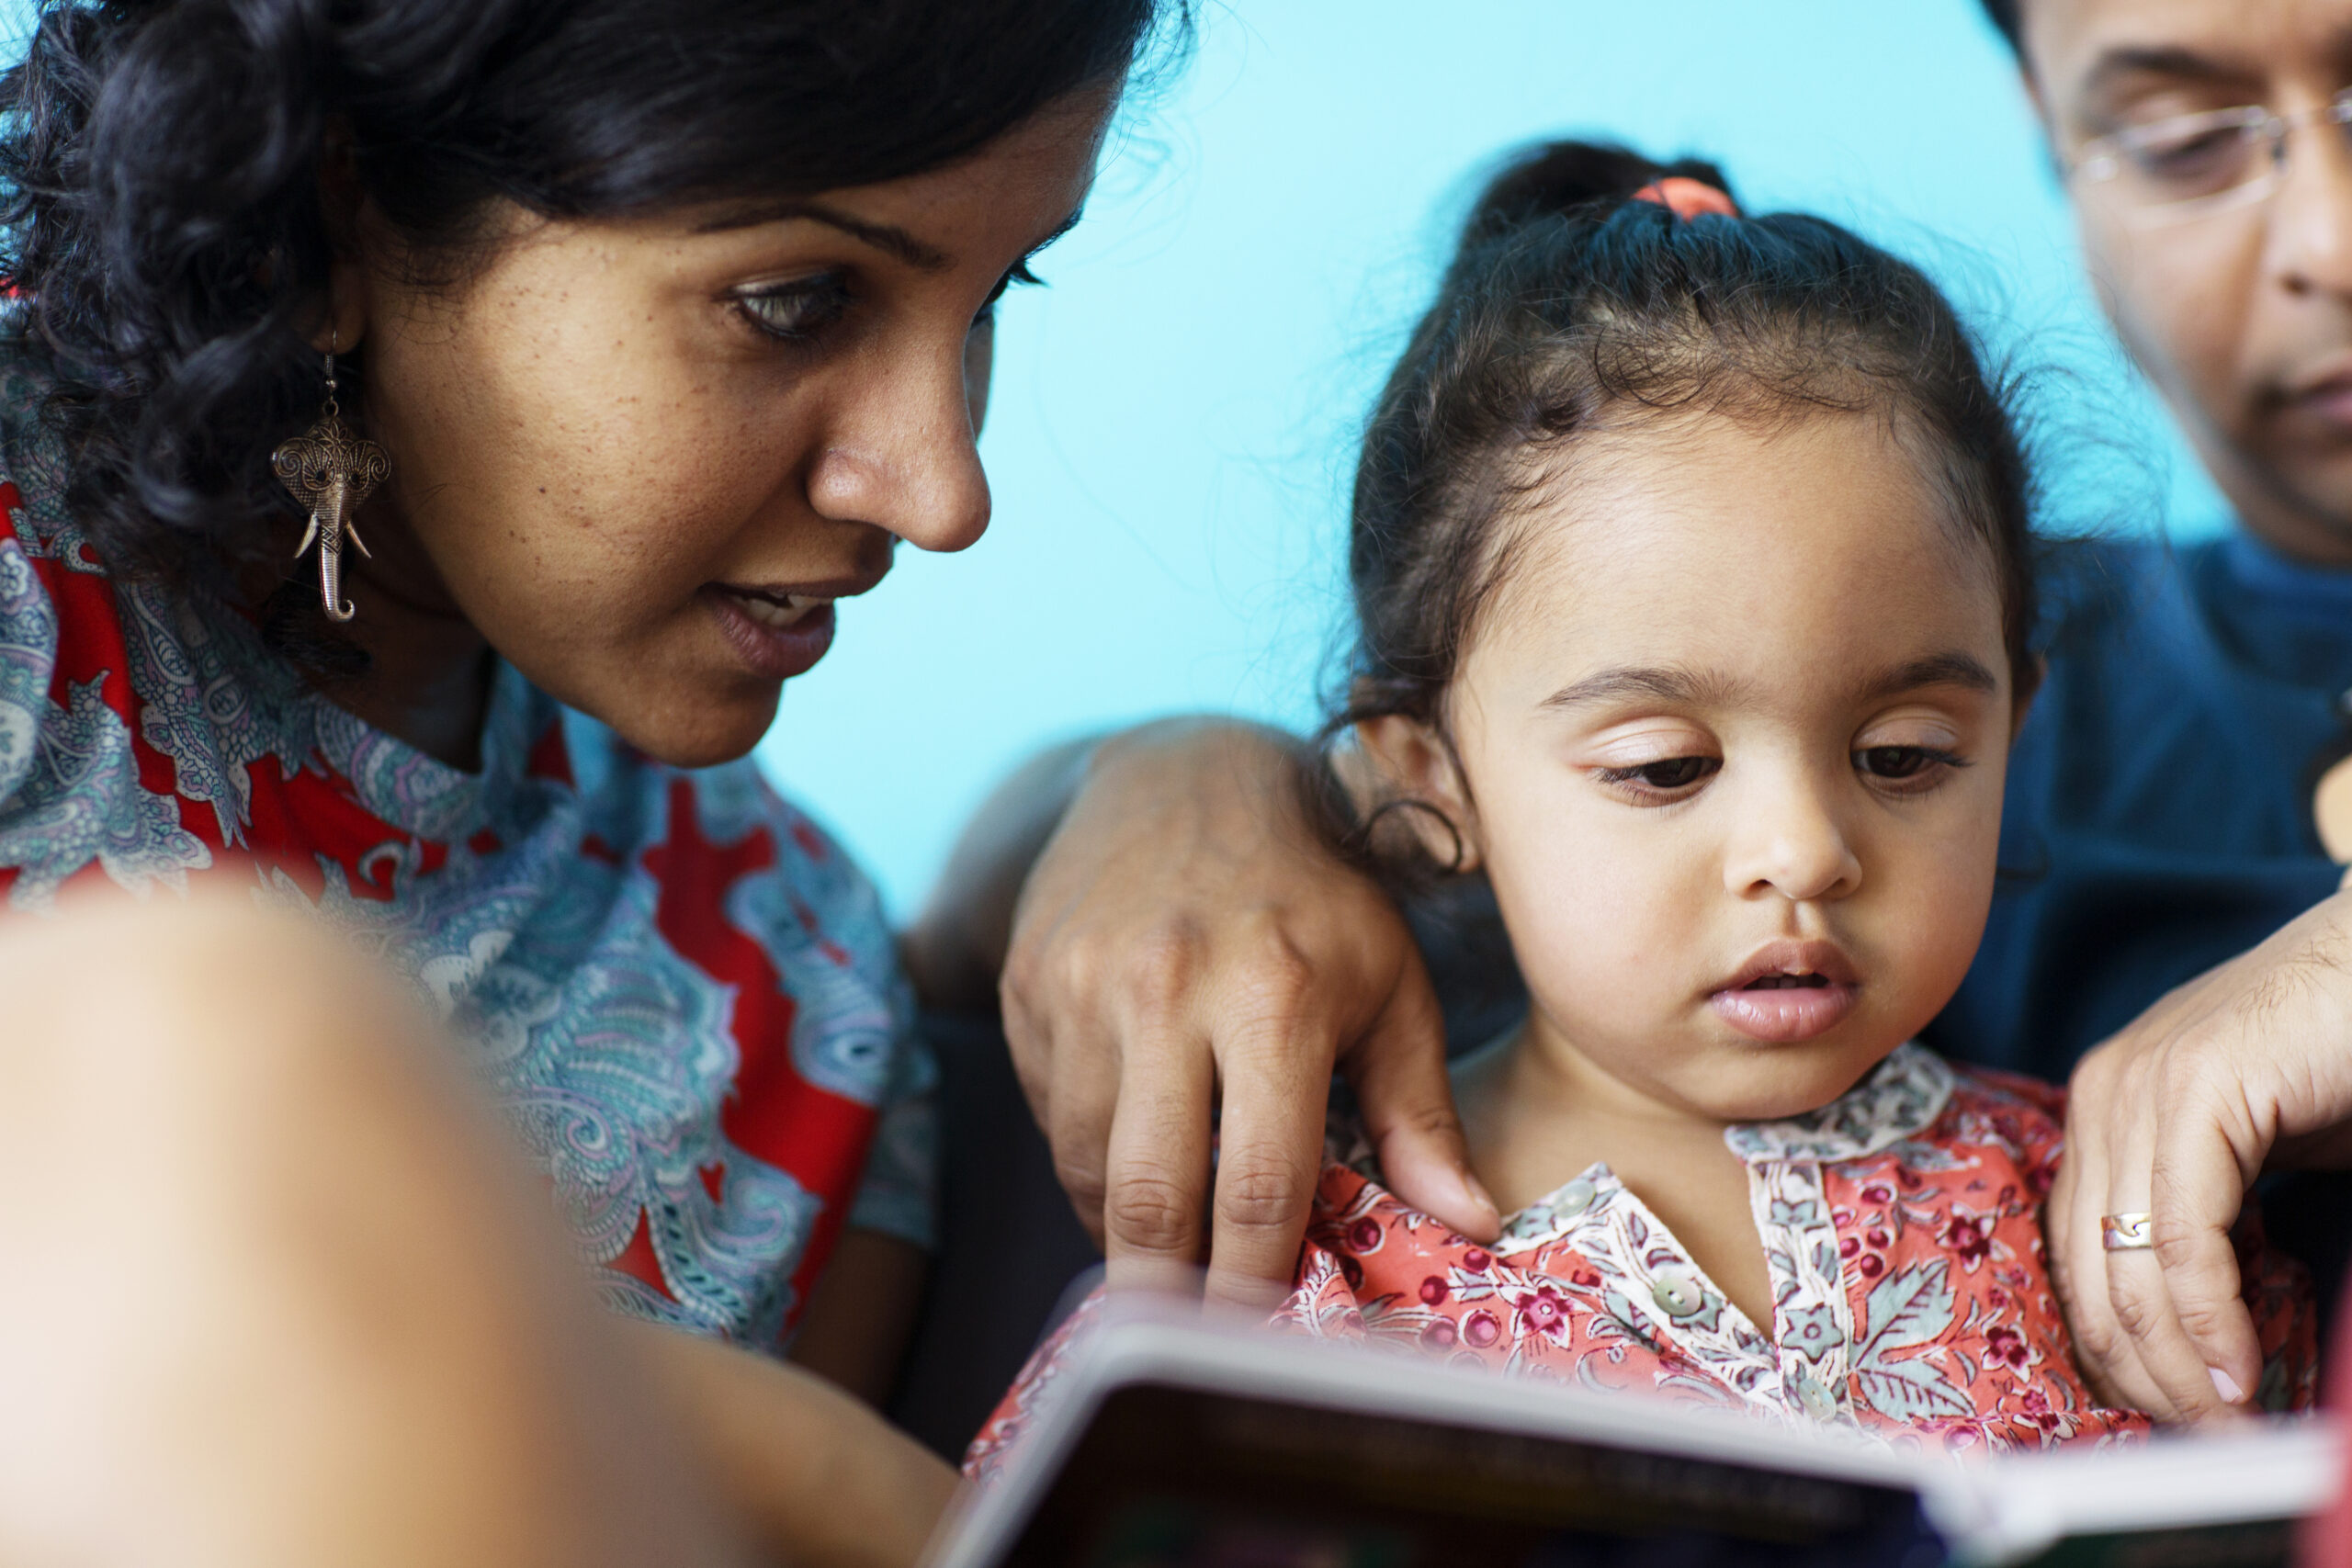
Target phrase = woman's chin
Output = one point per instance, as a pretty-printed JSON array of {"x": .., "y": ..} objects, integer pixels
[{"x": 702, "y": 729}]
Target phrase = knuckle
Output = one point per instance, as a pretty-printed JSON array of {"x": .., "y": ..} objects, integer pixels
[
  {"x": 2136, "y": 1312},
  {"x": 2097, "y": 1339},
  {"x": 1277, "y": 971},
  {"x": 1152, "y": 1213},
  {"x": 1081, "y": 1178},
  {"x": 2061, "y": 1279},
  {"x": 1071, "y": 968},
  {"x": 1163, "y": 964},
  {"x": 2179, "y": 1250},
  {"x": 1433, "y": 1118},
  {"x": 2204, "y": 1319},
  {"x": 1261, "y": 1195},
  {"x": 2096, "y": 1071}
]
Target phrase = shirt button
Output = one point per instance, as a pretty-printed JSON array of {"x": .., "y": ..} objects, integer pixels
[
  {"x": 1678, "y": 1293},
  {"x": 1574, "y": 1199},
  {"x": 1815, "y": 1398}
]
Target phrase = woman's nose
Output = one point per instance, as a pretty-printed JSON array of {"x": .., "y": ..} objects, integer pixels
[
  {"x": 1788, "y": 841},
  {"x": 902, "y": 456}
]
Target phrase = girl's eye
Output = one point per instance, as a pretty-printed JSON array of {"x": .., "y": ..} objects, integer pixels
[
  {"x": 1666, "y": 776},
  {"x": 1904, "y": 764},
  {"x": 799, "y": 310}
]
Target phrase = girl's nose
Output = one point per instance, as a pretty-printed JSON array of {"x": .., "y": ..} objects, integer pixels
[
  {"x": 1789, "y": 844},
  {"x": 903, "y": 455}
]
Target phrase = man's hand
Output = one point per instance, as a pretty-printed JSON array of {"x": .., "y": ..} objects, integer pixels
[
  {"x": 2246, "y": 1066},
  {"x": 1185, "y": 941}
]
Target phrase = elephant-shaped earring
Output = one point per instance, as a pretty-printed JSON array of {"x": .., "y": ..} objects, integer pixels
[{"x": 331, "y": 468}]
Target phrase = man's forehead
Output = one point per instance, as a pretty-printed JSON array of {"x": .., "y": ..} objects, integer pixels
[{"x": 2078, "y": 45}]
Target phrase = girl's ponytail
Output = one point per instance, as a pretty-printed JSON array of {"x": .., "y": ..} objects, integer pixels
[{"x": 1558, "y": 179}]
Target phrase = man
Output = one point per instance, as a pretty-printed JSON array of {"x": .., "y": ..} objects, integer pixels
[{"x": 2161, "y": 799}]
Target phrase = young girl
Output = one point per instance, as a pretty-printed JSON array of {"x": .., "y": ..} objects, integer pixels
[{"x": 1690, "y": 558}]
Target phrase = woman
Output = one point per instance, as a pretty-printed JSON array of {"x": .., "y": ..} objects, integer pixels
[{"x": 433, "y": 430}]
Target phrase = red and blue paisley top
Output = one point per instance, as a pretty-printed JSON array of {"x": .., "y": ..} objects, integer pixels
[{"x": 684, "y": 996}]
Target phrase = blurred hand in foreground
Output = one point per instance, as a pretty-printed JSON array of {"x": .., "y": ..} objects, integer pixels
[{"x": 2247, "y": 1068}]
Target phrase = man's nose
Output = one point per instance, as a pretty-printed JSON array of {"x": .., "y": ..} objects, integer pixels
[
  {"x": 903, "y": 454},
  {"x": 1788, "y": 842},
  {"x": 2310, "y": 215}
]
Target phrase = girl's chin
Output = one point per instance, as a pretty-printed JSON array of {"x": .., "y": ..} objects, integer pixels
[{"x": 1746, "y": 1082}]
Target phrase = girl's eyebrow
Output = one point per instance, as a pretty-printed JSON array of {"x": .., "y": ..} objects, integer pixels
[
  {"x": 1659, "y": 683},
  {"x": 1698, "y": 688},
  {"x": 1950, "y": 668}
]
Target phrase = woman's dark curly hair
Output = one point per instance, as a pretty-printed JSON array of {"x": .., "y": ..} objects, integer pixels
[
  {"x": 161, "y": 211},
  {"x": 1571, "y": 306}
]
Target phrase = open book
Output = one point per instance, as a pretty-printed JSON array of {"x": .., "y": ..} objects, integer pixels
[{"x": 1168, "y": 1440}]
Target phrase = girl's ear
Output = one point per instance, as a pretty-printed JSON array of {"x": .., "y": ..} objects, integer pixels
[{"x": 1411, "y": 763}]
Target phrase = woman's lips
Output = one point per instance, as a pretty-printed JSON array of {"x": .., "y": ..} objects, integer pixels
[
  {"x": 1786, "y": 1014},
  {"x": 777, "y": 639}
]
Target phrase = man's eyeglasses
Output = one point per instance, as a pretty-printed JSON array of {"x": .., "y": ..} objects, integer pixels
[{"x": 2192, "y": 166}]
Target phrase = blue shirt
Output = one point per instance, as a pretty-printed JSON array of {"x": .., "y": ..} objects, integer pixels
[{"x": 2159, "y": 819}]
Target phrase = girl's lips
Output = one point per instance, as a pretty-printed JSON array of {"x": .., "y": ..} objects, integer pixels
[
  {"x": 1785, "y": 1015},
  {"x": 775, "y": 652}
]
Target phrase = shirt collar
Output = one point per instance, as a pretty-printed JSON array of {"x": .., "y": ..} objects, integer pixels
[{"x": 1900, "y": 1098}]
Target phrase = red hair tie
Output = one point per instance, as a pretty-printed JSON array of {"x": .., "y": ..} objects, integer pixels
[{"x": 1687, "y": 198}]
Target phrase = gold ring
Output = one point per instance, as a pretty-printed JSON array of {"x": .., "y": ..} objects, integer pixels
[{"x": 2126, "y": 1233}]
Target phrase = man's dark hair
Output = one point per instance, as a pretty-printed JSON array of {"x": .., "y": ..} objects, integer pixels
[{"x": 161, "y": 214}]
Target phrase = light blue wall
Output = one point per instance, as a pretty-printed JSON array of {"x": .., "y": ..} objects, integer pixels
[{"x": 1173, "y": 415}]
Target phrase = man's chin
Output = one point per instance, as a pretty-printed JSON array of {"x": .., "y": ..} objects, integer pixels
[{"x": 2300, "y": 504}]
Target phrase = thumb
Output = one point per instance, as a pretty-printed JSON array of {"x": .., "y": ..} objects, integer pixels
[{"x": 1407, "y": 1100}]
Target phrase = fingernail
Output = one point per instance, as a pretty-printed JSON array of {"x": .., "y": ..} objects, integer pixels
[
  {"x": 1478, "y": 1191},
  {"x": 2226, "y": 1387}
]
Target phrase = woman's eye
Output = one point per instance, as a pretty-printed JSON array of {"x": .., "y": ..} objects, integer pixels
[
  {"x": 796, "y": 312},
  {"x": 1897, "y": 764},
  {"x": 1019, "y": 276},
  {"x": 1666, "y": 776}
]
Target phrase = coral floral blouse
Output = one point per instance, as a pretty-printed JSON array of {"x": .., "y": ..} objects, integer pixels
[{"x": 1902, "y": 1229}]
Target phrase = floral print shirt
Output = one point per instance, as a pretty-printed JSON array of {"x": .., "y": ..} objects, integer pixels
[
  {"x": 1902, "y": 1230},
  {"x": 684, "y": 996}
]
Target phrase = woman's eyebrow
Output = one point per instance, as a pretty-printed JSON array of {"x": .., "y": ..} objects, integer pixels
[
  {"x": 1951, "y": 668},
  {"x": 889, "y": 239}
]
